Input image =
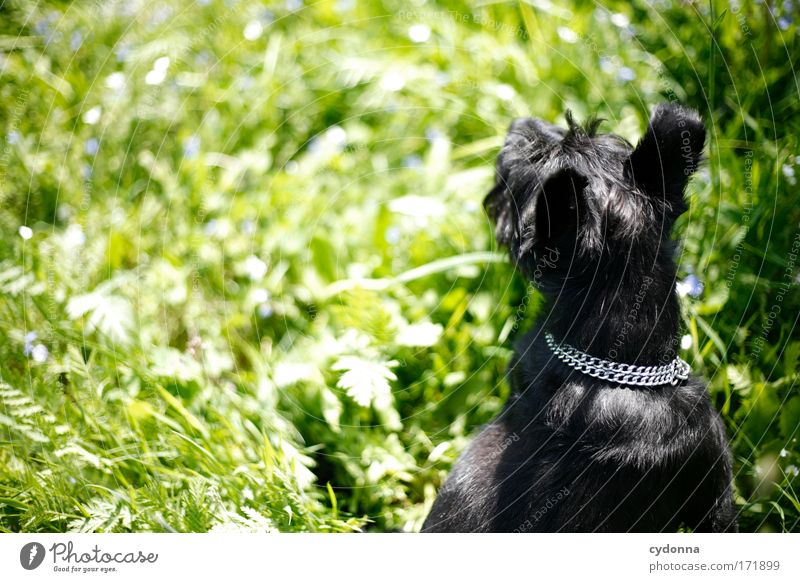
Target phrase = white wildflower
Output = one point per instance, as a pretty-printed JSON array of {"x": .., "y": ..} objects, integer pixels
[
  {"x": 419, "y": 32},
  {"x": 505, "y": 92},
  {"x": 159, "y": 72},
  {"x": 255, "y": 268},
  {"x": 253, "y": 30},
  {"x": 92, "y": 116},
  {"x": 393, "y": 81},
  {"x": 366, "y": 382},
  {"x": 566, "y": 34},
  {"x": 115, "y": 81},
  {"x": 420, "y": 334},
  {"x": 40, "y": 353},
  {"x": 419, "y": 206}
]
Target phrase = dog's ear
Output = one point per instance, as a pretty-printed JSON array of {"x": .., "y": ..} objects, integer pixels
[
  {"x": 514, "y": 171},
  {"x": 668, "y": 155},
  {"x": 560, "y": 208},
  {"x": 526, "y": 131}
]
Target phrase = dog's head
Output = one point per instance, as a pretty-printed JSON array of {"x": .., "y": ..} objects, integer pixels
[{"x": 581, "y": 197}]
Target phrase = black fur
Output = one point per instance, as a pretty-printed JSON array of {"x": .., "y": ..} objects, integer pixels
[{"x": 588, "y": 217}]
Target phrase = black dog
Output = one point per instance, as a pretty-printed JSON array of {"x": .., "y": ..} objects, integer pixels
[{"x": 595, "y": 444}]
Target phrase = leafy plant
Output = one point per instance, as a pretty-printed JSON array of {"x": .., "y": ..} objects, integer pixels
[{"x": 246, "y": 281}]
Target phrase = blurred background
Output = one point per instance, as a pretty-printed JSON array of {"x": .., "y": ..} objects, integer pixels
[{"x": 246, "y": 281}]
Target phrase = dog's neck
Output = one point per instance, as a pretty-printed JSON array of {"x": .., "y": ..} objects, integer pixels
[{"x": 627, "y": 315}]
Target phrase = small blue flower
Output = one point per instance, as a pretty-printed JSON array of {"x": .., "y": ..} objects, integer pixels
[
  {"x": 75, "y": 41},
  {"x": 203, "y": 58},
  {"x": 248, "y": 227},
  {"x": 392, "y": 235},
  {"x": 42, "y": 27},
  {"x": 191, "y": 147},
  {"x": 29, "y": 338},
  {"x": 160, "y": 15},
  {"x": 13, "y": 137},
  {"x": 432, "y": 134},
  {"x": 691, "y": 286},
  {"x": 412, "y": 161},
  {"x": 784, "y": 22},
  {"x": 293, "y": 5},
  {"x": 628, "y": 32},
  {"x": 265, "y": 310},
  {"x": 626, "y": 74},
  {"x": 122, "y": 52},
  {"x": 91, "y": 146},
  {"x": 38, "y": 352}
]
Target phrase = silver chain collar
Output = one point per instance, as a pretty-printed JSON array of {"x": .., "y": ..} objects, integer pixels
[{"x": 629, "y": 374}]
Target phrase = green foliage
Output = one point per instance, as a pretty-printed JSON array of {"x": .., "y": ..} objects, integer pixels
[{"x": 259, "y": 290}]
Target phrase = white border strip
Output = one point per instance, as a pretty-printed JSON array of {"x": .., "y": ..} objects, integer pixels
[{"x": 402, "y": 557}]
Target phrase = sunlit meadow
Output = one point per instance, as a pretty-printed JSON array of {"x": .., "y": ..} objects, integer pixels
[{"x": 246, "y": 280}]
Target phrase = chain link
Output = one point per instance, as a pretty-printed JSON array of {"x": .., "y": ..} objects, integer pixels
[{"x": 629, "y": 374}]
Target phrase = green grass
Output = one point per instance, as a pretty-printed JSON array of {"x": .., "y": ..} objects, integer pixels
[{"x": 263, "y": 291}]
